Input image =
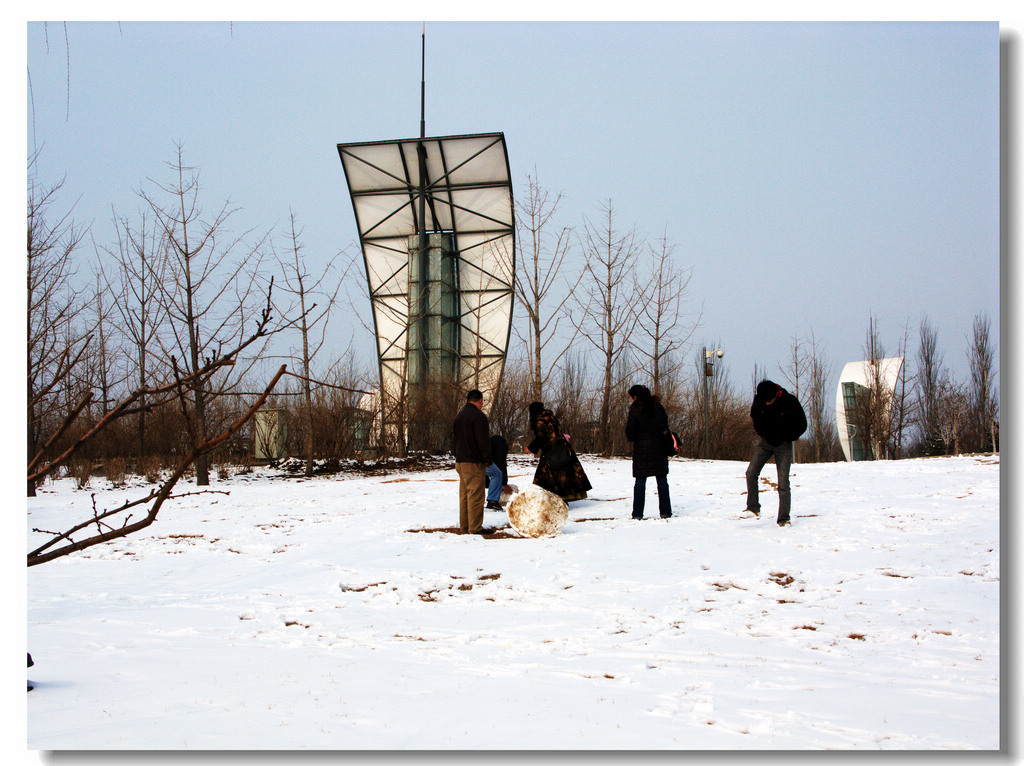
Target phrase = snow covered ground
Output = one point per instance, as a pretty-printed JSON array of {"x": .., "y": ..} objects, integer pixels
[{"x": 320, "y": 614}]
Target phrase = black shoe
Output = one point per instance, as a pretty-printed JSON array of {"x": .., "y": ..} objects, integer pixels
[
  {"x": 638, "y": 518},
  {"x": 785, "y": 523},
  {"x": 493, "y": 505},
  {"x": 483, "y": 531},
  {"x": 666, "y": 515}
]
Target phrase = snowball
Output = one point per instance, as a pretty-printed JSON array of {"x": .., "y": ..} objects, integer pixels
[{"x": 536, "y": 512}]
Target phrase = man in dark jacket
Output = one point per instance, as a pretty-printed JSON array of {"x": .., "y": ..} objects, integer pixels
[
  {"x": 471, "y": 444},
  {"x": 779, "y": 420}
]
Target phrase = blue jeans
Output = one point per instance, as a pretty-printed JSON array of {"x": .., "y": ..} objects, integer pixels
[
  {"x": 494, "y": 483},
  {"x": 640, "y": 492},
  {"x": 783, "y": 455}
]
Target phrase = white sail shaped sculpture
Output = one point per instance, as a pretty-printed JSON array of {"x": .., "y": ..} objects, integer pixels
[{"x": 436, "y": 224}]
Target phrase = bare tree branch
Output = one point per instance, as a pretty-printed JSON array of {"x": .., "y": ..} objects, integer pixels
[{"x": 158, "y": 497}]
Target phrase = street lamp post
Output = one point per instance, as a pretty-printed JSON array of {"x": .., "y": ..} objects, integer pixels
[{"x": 709, "y": 371}]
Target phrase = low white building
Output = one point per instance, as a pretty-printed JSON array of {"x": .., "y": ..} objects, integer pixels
[{"x": 270, "y": 434}]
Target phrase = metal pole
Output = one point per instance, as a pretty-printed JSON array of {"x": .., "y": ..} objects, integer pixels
[
  {"x": 707, "y": 410},
  {"x": 423, "y": 83},
  {"x": 418, "y": 312},
  {"x": 424, "y": 259}
]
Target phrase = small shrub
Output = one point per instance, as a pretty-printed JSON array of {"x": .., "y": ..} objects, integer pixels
[
  {"x": 116, "y": 471},
  {"x": 245, "y": 464},
  {"x": 81, "y": 471},
  {"x": 151, "y": 469}
]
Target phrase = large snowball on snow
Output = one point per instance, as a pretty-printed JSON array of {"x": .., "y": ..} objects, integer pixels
[{"x": 535, "y": 512}]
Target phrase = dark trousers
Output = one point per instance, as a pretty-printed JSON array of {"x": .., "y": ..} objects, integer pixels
[
  {"x": 783, "y": 455},
  {"x": 640, "y": 493}
]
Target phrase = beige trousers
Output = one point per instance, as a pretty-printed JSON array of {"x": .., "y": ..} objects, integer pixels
[{"x": 472, "y": 486}]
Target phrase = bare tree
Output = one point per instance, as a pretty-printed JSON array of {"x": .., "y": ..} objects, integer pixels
[
  {"x": 54, "y": 343},
  {"x": 607, "y": 302},
  {"x": 508, "y": 410},
  {"x": 100, "y": 367},
  {"x": 872, "y": 415},
  {"x": 795, "y": 369},
  {"x": 983, "y": 399},
  {"x": 661, "y": 321},
  {"x": 574, "y": 402},
  {"x": 211, "y": 280},
  {"x": 818, "y": 390},
  {"x": 796, "y": 365},
  {"x": 140, "y": 260},
  {"x": 109, "y": 524},
  {"x": 954, "y": 413},
  {"x": 927, "y": 380},
  {"x": 901, "y": 414},
  {"x": 342, "y": 413},
  {"x": 543, "y": 249},
  {"x": 304, "y": 289},
  {"x": 760, "y": 373}
]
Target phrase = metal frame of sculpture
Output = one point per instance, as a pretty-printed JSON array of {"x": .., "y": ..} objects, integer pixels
[{"x": 436, "y": 224}]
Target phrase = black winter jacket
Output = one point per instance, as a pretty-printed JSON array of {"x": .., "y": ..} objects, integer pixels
[
  {"x": 471, "y": 440},
  {"x": 645, "y": 428},
  {"x": 781, "y": 421}
]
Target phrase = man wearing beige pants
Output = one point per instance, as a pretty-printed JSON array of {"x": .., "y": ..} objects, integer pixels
[{"x": 471, "y": 444}]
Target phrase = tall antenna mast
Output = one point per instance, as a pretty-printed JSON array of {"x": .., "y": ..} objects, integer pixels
[
  {"x": 418, "y": 312},
  {"x": 421, "y": 149},
  {"x": 423, "y": 83}
]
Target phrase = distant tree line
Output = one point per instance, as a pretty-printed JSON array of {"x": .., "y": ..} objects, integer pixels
[
  {"x": 620, "y": 312},
  {"x": 175, "y": 297}
]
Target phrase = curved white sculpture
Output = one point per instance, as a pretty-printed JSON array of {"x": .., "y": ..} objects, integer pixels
[{"x": 855, "y": 379}]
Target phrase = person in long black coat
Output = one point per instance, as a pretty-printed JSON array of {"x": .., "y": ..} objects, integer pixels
[
  {"x": 647, "y": 428},
  {"x": 779, "y": 420},
  {"x": 565, "y": 477}
]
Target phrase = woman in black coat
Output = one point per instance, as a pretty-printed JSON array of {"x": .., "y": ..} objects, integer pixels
[
  {"x": 559, "y": 470},
  {"x": 646, "y": 428}
]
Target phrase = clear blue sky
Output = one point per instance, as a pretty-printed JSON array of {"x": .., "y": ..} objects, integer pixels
[{"x": 810, "y": 173}]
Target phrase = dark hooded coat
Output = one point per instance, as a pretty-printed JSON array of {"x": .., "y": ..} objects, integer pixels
[
  {"x": 646, "y": 429},
  {"x": 781, "y": 421}
]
